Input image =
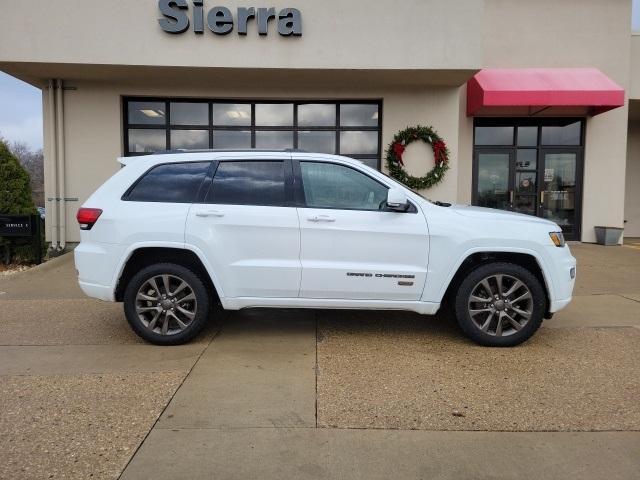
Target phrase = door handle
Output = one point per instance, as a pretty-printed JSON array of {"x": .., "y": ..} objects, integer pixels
[
  {"x": 210, "y": 213},
  {"x": 542, "y": 197},
  {"x": 321, "y": 218}
]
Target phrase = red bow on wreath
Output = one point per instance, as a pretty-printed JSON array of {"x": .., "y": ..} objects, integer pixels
[
  {"x": 439, "y": 148},
  {"x": 398, "y": 150}
]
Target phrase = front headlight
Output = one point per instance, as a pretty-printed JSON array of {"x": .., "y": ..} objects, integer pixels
[{"x": 557, "y": 238}]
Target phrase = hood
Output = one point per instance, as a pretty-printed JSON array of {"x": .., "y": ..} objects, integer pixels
[{"x": 500, "y": 215}]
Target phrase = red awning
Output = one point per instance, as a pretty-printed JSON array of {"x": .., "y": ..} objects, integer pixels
[{"x": 545, "y": 91}]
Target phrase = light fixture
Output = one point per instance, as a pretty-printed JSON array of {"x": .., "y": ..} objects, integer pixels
[
  {"x": 237, "y": 114},
  {"x": 153, "y": 113}
]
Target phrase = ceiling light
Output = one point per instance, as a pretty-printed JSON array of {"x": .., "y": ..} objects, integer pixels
[
  {"x": 237, "y": 114},
  {"x": 153, "y": 113}
]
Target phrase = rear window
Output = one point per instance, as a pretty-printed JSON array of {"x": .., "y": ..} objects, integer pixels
[
  {"x": 248, "y": 183},
  {"x": 170, "y": 183}
]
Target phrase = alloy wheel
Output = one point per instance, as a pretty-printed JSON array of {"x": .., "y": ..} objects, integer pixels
[
  {"x": 166, "y": 304},
  {"x": 500, "y": 305}
]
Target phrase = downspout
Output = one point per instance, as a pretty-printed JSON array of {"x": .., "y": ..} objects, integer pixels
[
  {"x": 53, "y": 163},
  {"x": 62, "y": 191}
]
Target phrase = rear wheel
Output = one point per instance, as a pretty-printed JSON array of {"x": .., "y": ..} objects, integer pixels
[
  {"x": 500, "y": 304},
  {"x": 166, "y": 304}
]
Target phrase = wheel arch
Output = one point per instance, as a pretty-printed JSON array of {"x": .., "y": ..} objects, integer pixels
[
  {"x": 143, "y": 256},
  {"x": 527, "y": 260}
]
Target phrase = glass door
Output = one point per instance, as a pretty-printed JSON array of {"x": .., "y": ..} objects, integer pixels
[
  {"x": 531, "y": 166},
  {"x": 493, "y": 182},
  {"x": 559, "y": 197},
  {"x": 525, "y": 183}
]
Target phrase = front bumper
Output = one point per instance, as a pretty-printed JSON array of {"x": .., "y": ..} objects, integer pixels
[
  {"x": 101, "y": 292},
  {"x": 563, "y": 278}
]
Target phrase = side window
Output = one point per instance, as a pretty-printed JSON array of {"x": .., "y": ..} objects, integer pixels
[
  {"x": 170, "y": 183},
  {"x": 248, "y": 183},
  {"x": 328, "y": 185}
]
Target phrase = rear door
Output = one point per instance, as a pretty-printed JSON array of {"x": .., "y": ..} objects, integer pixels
[
  {"x": 351, "y": 246},
  {"x": 248, "y": 229},
  {"x": 155, "y": 207}
]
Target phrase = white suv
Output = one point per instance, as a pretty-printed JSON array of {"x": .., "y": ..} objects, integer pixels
[{"x": 172, "y": 235}]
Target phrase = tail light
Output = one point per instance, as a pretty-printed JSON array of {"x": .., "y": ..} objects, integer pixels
[{"x": 87, "y": 217}]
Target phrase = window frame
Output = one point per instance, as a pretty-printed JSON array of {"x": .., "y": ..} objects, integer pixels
[
  {"x": 300, "y": 199},
  {"x": 288, "y": 182},
  {"x": 125, "y": 195},
  {"x": 252, "y": 127}
]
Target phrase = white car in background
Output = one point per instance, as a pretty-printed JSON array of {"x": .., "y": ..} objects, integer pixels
[{"x": 173, "y": 234}]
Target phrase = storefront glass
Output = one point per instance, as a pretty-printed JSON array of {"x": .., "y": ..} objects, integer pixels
[{"x": 350, "y": 128}]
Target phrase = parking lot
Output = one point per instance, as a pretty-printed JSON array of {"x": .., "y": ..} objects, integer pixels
[{"x": 327, "y": 394}]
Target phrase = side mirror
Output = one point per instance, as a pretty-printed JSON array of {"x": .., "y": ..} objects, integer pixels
[{"x": 397, "y": 200}]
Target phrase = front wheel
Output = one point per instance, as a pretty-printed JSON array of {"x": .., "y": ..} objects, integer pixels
[
  {"x": 166, "y": 304},
  {"x": 500, "y": 304}
]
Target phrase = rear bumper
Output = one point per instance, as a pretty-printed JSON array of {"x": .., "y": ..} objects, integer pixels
[{"x": 96, "y": 264}]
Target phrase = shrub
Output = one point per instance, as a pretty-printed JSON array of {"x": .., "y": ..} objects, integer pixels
[{"x": 15, "y": 199}]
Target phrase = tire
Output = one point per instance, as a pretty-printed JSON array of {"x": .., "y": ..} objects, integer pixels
[
  {"x": 508, "y": 320},
  {"x": 175, "y": 319}
]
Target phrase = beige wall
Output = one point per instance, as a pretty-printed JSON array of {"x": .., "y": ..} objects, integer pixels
[
  {"x": 632, "y": 198},
  {"x": 93, "y": 125},
  {"x": 465, "y": 150},
  {"x": 634, "y": 87},
  {"x": 353, "y": 34}
]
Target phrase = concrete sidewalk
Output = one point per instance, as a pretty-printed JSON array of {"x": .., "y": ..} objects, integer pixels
[
  {"x": 300, "y": 394},
  {"x": 78, "y": 390}
]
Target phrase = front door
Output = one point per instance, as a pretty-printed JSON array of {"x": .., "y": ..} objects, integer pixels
[
  {"x": 543, "y": 184},
  {"x": 351, "y": 246},
  {"x": 532, "y": 167},
  {"x": 560, "y": 190}
]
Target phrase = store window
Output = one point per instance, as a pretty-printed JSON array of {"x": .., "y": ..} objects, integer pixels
[{"x": 346, "y": 127}]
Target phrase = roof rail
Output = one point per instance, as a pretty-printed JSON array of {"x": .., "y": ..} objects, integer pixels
[{"x": 215, "y": 150}]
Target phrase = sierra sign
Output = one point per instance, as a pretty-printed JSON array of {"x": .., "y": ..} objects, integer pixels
[{"x": 220, "y": 20}]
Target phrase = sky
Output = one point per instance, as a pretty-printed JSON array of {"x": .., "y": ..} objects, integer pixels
[
  {"x": 20, "y": 112},
  {"x": 21, "y": 104}
]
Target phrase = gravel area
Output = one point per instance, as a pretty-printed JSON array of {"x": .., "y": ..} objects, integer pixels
[
  {"x": 394, "y": 370},
  {"x": 77, "y": 426},
  {"x": 6, "y": 270}
]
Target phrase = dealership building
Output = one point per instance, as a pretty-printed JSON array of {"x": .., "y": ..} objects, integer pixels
[{"x": 538, "y": 102}]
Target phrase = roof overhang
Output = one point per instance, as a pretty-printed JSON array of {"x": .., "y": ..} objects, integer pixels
[
  {"x": 38, "y": 73},
  {"x": 542, "y": 91}
]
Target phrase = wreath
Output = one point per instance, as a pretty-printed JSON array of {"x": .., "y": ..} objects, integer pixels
[{"x": 399, "y": 144}]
